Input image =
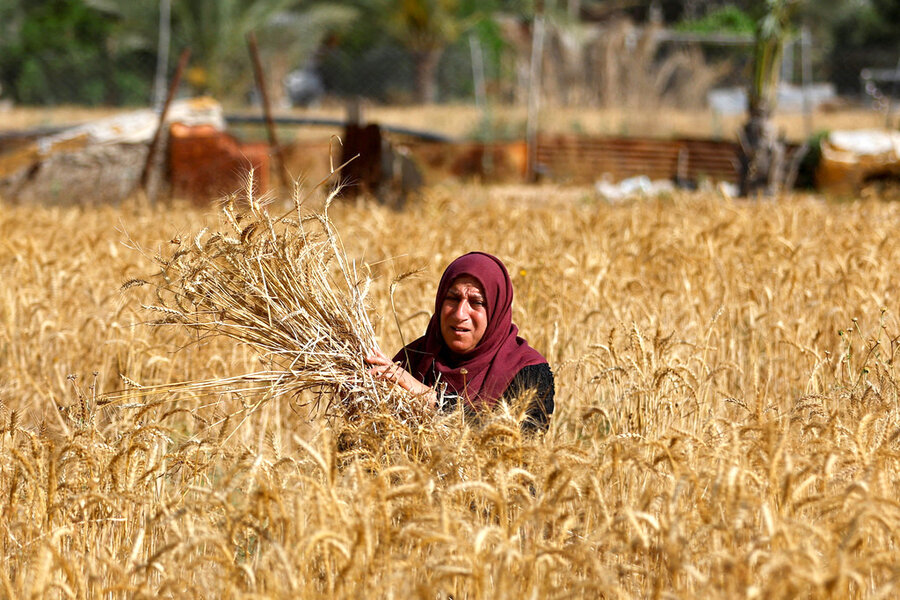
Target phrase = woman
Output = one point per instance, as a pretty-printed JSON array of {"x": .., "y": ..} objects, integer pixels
[{"x": 471, "y": 350}]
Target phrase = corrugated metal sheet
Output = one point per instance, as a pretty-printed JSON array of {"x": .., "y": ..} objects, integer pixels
[{"x": 587, "y": 159}]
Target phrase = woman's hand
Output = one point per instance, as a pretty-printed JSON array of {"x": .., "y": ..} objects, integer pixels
[{"x": 383, "y": 368}]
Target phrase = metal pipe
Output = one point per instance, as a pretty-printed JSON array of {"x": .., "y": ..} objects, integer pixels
[{"x": 426, "y": 136}]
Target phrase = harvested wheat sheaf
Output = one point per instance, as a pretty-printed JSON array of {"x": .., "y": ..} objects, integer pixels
[{"x": 284, "y": 287}]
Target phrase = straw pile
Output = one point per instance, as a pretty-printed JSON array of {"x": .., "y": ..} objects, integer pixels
[{"x": 284, "y": 287}]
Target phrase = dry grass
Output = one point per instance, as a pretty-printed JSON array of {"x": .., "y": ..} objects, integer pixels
[
  {"x": 464, "y": 121},
  {"x": 727, "y": 424}
]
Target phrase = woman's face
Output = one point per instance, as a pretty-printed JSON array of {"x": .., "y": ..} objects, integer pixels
[{"x": 463, "y": 315}]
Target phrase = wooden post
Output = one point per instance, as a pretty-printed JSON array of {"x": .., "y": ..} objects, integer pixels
[
  {"x": 173, "y": 87},
  {"x": 267, "y": 112}
]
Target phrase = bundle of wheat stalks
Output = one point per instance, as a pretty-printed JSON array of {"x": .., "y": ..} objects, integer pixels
[{"x": 284, "y": 287}]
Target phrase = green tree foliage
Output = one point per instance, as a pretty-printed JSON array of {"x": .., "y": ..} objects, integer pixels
[
  {"x": 863, "y": 33},
  {"x": 772, "y": 29},
  {"x": 216, "y": 33},
  {"x": 289, "y": 31},
  {"x": 878, "y": 22},
  {"x": 104, "y": 51},
  {"x": 54, "y": 52},
  {"x": 134, "y": 25},
  {"x": 425, "y": 28},
  {"x": 397, "y": 41},
  {"x": 728, "y": 19}
]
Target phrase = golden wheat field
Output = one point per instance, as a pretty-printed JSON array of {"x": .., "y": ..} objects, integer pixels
[{"x": 727, "y": 419}]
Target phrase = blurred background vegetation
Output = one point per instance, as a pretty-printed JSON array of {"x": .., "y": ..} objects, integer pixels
[{"x": 106, "y": 52}]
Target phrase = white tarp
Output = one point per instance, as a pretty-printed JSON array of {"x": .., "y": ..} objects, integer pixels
[
  {"x": 866, "y": 142},
  {"x": 791, "y": 98},
  {"x": 139, "y": 126}
]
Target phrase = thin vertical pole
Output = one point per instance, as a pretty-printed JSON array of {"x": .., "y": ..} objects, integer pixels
[
  {"x": 574, "y": 9},
  {"x": 787, "y": 62},
  {"x": 534, "y": 95},
  {"x": 806, "y": 74},
  {"x": 267, "y": 112},
  {"x": 478, "y": 72},
  {"x": 481, "y": 96},
  {"x": 162, "y": 55}
]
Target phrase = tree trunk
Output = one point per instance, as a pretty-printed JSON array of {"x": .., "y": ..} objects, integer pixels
[
  {"x": 762, "y": 155},
  {"x": 762, "y": 151},
  {"x": 426, "y": 74}
]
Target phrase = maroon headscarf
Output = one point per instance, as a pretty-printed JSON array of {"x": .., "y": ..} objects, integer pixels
[{"x": 497, "y": 358}]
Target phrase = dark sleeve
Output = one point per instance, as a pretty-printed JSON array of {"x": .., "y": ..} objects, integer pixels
[{"x": 538, "y": 378}]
